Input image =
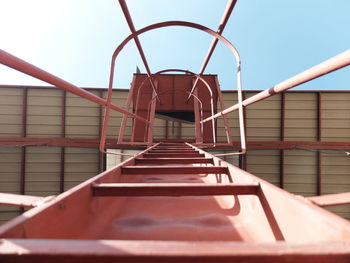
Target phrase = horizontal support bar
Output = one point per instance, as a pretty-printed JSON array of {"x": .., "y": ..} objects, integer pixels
[
  {"x": 108, "y": 251},
  {"x": 22, "y": 200},
  {"x": 172, "y": 160},
  {"x": 172, "y": 189},
  {"x": 156, "y": 155},
  {"x": 111, "y": 144},
  {"x": 331, "y": 199},
  {"x": 18, "y": 64},
  {"x": 174, "y": 170}
]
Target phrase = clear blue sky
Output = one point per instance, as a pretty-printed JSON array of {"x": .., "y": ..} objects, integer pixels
[{"x": 74, "y": 39}]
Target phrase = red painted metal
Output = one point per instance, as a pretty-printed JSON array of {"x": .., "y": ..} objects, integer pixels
[
  {"x": 225, "y": 17},
  {"x": 153, "y": 169},
  {"x": 24, "y": 134},
  {"x": 112, "y": 144},
  {"x": 63, "y": 135},
  {"x": 128, "y": 18},
  {"x": 330, "y": 65},
  {"x": 23, "y": 200},
  {"x": 167, "y": 24},
  {"x": 167, "y": 204},
  {"x": 222, "y": 104},
  {"x": 331, "y": 199},
  {"x": 18, "y": 64},
  {"x": 173, "y": 189},
  {"x": 281, "y": 152},
  {"x": 110, "y": 251},
  {"x": 165, "y": 211},
  {"x": 319, "y": 137},
  {"x": 138, "y": 128},
  {"x": 125, "y": 117},
  {"x": 190, "y": 160}
]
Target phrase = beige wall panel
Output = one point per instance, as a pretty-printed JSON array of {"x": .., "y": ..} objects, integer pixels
[
  {"x": 300, "y": 172},
  {"x": 300, "y": 117},
  {"x": 334, "y": 114},
  {"x": 35, "y": 110},
  {"x": 10, "y": 119},
  {"x": 47, "y": 100},
  {"x": 300, "y": 134},
  {"x": 11, "y": 91},
  {"x": 297, "y": 123},
  {"x": 300, "y": 96},
  {"x": 81, "y": 164},
  {"x": 7, "y": 215},
  {"x": 264, "y": 164},
  {"x": 85, "y": 131},
  {"x": 336, "y": 134},
  {"x": 335, "y": 172},
  {"x": 11, "y": 131},
  {"x": 49, "y": 131},
  {"x": 13, "y": 110},
  {"x": 77, "y": 111},
  {"x": 258, "y": 123},
  {"x": 336, "y": 123},
  {"x": 266, "y": 104},
  {"x": 258, "y": 114},
  {"x": 44, "y": 120},
  {"x": 304, "y": 189},
  {"x": 263, "y": 120},
  {"x": 266, "y": 169},
  {"x": 39, "y": 124},
  {"x": 335, "y": 105},
  {"x": 10, "y": 169},
  {"x": 11, "y": 100},
  {"x": 82, "y": 117},
  {"x": 42, "y": 170},
  {"x": 342, "y": 210},
  {"x": 335, "y": 117}
]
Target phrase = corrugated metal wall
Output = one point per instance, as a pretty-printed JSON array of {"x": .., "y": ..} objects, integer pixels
[{"x": 39, "y": 170}]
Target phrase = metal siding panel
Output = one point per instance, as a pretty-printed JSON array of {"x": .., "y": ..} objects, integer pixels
[
  {"x": 302, "y": 126},
  {"x": 39, "y": 124},
  {"x": 264, "y": 164},
  {"x": 300, "y": 172},
  {"x": 42, "y": 170},
  {"x": 81, "y": 164}
]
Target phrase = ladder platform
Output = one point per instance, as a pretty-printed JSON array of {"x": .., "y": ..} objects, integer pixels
[
  {"x": 174, "y": 170},
  {"x": 191, "y": 160},
  {"x": 173, "y": 189}
]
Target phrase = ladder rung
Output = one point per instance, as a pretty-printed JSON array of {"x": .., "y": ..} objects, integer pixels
[
  {"x": 172, "y": 189},
  {"x": 172, "y": 148},
  {"x": 174, "y": 170},
  {"x": 172, "y": 160},
  {"x": 172, "y": 151},
  {"x": 156, "y": 155}
]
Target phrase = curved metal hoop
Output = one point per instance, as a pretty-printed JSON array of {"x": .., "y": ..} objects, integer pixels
[{"x": 167, "y": 24}]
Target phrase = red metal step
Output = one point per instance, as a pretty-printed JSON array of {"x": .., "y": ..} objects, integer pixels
[
  {"x": 174, "y": 170},
  {"x": 176, "y": 155},
  {"x": 191, "y": 160},
  {"x": 173, "y": 189},
  {"x": 172, "y": 151}
]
